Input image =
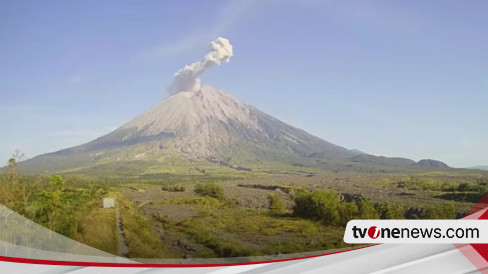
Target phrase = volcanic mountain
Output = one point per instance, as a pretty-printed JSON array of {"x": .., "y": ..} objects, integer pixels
[{"x": 207, "y": 125}]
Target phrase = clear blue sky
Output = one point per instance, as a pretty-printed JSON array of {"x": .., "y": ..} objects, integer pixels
[{"x": 393, "y": 78}]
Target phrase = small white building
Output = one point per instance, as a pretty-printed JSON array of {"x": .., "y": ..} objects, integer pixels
[{"x": 108, "y": 202}]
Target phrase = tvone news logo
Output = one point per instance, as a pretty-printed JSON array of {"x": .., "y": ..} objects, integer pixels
[
  {"x": 374, "y": 232},
  {"x": 416, "y": 231}
]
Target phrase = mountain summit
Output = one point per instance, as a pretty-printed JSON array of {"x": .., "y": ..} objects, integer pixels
[{"x": 209, "y": 125}]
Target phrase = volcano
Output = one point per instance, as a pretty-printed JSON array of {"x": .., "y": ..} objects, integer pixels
[{"x": 208, "y": 126}]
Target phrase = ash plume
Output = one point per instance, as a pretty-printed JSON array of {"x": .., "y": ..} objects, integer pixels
[{"x": 186, "y": 79}]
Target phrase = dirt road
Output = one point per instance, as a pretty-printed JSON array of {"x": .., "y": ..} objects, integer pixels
[{"x": 123, "y": 250}]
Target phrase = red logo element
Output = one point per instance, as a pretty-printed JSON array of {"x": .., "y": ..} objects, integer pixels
[
  {"x": 373, "y": 232},
  {"x": 477, "y": 253}
]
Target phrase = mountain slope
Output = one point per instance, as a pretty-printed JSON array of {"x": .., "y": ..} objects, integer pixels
[{"x": 207, "y": 125}]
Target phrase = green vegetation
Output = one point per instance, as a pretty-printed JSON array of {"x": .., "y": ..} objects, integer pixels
[
  {"x": 318, "y": 205},
  {"x": 50, "y": 202},
  {"x": 170, "y": 212},
  {"x": 325, "y": 206},
  {"x": 348, "y": 211},
  {"x": 389, "y": 210},
  {"x": 441, "y": 211},
  {"x": 98, "y": 228},
  {"x": 225, "y": 231},
  {"x": 276, "y": 205},
  {"x": 201, "y": 202},
  {"x": 366, "y": 209},
  {"x": 60, "y": 204},
  {"x": 174, "y": 188},
  {"x": 428, "y": 183},
  {"x": 141, "y": 238},
  {"x": 210, "y": 190}
]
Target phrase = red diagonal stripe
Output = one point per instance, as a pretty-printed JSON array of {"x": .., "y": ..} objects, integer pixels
[
  {"x": 482, "y": 204},
  {"x": 482, "y": 249}
]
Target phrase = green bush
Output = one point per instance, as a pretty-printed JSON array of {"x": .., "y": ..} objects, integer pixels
[
  {"x": 366, "y": 209},
  {"x": 54, "y": 203},
  {"x": 276, "y": 206},
  {"x": 318, "y": 205},
  {"x": 388, "y": 210},
  {"x": 203, "y": 202},
  {"x": 473, "y": 187},
  {"x": 210, "y": 190},
  {"x": 440, "y": 211},
  {"x": 325, "y": 206},
  {"x": 433, "y": 184},
  {"x": 349, "y": 211},
  {"x": 174, "y": 188}
]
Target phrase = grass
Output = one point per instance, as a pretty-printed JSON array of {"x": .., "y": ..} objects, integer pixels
[
  {"x": 230, "y": 231},
  {"x": 142, "y": 240},
  {"x": 98, "y": 228},
  {"x": 165, "y": 165},
  {"x": 222, "y": 229}
]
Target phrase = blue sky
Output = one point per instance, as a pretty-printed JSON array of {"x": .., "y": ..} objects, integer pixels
[{"x": 393, "y": 78}]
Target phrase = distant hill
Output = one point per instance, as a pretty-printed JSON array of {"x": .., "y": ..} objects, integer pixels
[
  {"x": 429, "y": 163},
  {"x": 479, "y": 167}
]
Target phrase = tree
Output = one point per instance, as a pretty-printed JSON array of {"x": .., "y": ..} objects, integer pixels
[
  {"x": 12, "y": 187},
  {"x": 445, "y": 210},
  {"x": 321, "y": 205},
  {"x": 388, "y": 210},
  {"x": 55, "y": 190},
  {"x": 349, "y": 211},
  {"x": 13, "y": 172},
  {"x": 366, "y": 209},
  {"x": 51, "y": 202}
]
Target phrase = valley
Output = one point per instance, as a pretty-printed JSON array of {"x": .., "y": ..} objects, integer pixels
[{"x": 244, "y": 219}]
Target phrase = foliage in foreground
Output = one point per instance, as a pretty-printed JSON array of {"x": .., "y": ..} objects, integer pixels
[{"x": 51, "y": 202}]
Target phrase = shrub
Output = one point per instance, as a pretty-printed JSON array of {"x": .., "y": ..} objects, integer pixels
[
  {"x": 471, "y": 187},
  {"x": 388, "y": 210},
  {"x": 349, "y": 211},
  {"x": 318, "y": 205},
  {"x": 276, "y": 206},
  {"x": 440, "y": 211},
  {"x": 174, "y": 188},
  {"x": 210, "y": 190},
  {"x": 366, "y": 209}
]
